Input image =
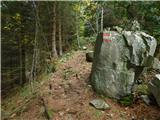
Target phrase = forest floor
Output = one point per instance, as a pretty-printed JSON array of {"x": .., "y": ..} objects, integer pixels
[{"x": 67, "y": 94}]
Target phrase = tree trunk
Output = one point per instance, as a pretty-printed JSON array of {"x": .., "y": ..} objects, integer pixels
[
  {"x": 60, "y": 37},
  {"x": 97, "y": 20},
  {"x": 22, "y": 61},
  {"x": 60, "y": 30},
  {"x": 54, "y": 51},
  {"x": 23, "y": 69},
  {"x": 35, "y": 49},
  {"x": 78, "y": 37},
  {"x": 102, "y": 20},
  {"x": 77, "y": 30}
]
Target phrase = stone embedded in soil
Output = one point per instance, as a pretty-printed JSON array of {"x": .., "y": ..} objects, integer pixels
[
  {"x": 146, "y": 99},
  {"x": 84, "y": 48},
  {"x": 100, "y": 104},
  {"x": 69, "y": 117},
  {"x": 89, "y": 56}
]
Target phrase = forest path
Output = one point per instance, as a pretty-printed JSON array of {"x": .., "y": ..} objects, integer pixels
[{"x": 68, "y": 93}]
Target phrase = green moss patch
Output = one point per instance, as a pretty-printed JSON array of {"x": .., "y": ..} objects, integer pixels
[{"x": 127, "y": 100}]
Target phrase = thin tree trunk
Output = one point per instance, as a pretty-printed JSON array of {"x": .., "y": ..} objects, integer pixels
[
  {"x": 77, "y": 30},
  {"x": 78, "y": 37},
  {"x": 60, "y": 37},
  {"x": 54, "y": 51},
  {"x": 33, "y": 69},
  {"x": 97, "y": 20},
  {"x": 59, "y": 29},
  {"x": 34, "y": 60},
  {"x": 23, "y": 65},
  {"x": 22, "y": 62},
  {"x": 62, "y": 34},
  {"x": 102, "y": 20}
]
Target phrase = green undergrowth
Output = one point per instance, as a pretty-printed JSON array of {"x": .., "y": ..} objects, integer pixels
[
  {"x": 97, "y": 114},
  {"x": 22, "y": 94},
  {"x": 65, "y": 57},
  {"x": 126, "y": 101},
  {"x": 49, "y": 113},
  {"x": 143, "y": 89},
  {"x": 84, "y": 41}
]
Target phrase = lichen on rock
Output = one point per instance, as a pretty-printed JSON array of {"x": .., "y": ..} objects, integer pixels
[{"x": 117, "y": 57}]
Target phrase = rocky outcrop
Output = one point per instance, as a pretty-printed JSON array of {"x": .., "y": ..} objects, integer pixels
[
  {"x": 116, "y": 58},
  {"x": 154, "y": 87}
]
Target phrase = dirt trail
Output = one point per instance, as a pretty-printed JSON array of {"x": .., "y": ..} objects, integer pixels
[{"x": 68, "y": 93}]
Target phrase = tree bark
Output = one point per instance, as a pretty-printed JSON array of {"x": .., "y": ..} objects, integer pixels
[
  {"x": 22, "y": 61},
  {"x": 54, "y": 51},
  {"x": 77, "y": 31},
  {"x": 97, "y": 20},
  {"x": 102, "y": 20},
  {"x": 35, "y": 49},
  {"x": 60, "y": 37},
  {"x": 23, "y": 65},
  {"x": 60, "y": 30}
]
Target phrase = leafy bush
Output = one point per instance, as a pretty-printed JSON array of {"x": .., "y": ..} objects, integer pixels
[{"x": 142, "y": 89}]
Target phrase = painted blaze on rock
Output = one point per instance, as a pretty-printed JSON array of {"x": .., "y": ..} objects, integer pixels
[{"x": 114, "y": 64}]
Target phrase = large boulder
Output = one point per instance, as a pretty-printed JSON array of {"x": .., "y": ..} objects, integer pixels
[
  {"x": 116, "y": 58},
  {"x": 154, "y": 87}
]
